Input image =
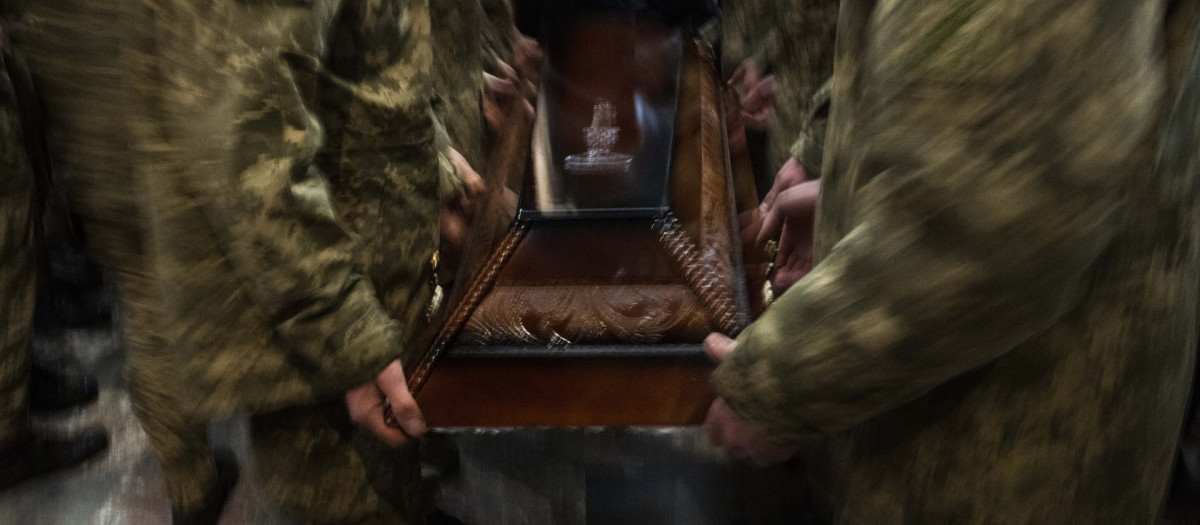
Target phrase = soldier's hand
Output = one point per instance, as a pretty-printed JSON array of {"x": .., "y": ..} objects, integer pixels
[
  {"x": 794, "y": 216},
  {"x": 386, "y": 408},
  {"x": 756, "y": 93},
  {"x": 758, "y": 260},
  {"x": 528, "y": 60},
  {"x": 724, "y": 427},
  {"x": 506, "y": 97},
  {"x": 789, "y": 215},
  {"x": 791, "y": 174}
]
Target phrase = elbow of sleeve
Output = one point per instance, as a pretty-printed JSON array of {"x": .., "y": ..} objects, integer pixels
[{"x": 343, "y": 339}]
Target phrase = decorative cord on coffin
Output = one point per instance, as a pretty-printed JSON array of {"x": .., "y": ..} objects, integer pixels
[
  {"x": 701, "y": 277},
  {"x": 479, "y": 289}
]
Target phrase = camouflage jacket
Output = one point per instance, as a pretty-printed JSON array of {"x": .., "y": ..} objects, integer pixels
[
  {"x": 793, "y": 39},
  {"x": 1001, "y": 325},
  {"x": 469, "y": 36},
  {"x": 500, "y": 33},
  {"x": 290, "y": 159},
  {"x": 457, "y": 73}
]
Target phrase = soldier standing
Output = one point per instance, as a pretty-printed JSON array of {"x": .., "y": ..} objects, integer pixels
[
  {"x": 1000, "y": 327},
  {"x": 275, "y": 234},
  {"x": 24, "y": 453}
]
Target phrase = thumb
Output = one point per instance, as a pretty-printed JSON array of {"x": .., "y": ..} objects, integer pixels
[
  {"x": 392, "y": 384},
  {"x": 718, "y": 346}
]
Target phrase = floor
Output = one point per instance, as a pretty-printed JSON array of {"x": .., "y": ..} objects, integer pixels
[
  {"x": 504, "y": 477},
  {"x": 123, "y": 485}
]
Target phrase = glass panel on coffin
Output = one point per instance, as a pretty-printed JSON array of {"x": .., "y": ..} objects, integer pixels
[{"x": 606, "y": 119}]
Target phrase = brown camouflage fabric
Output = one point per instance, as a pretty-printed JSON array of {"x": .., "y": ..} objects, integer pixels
[
  {"x": 792, "y": 39},
  {"x": 459, "y": 54},
  {"x": 292, "y": 174},
  {"x": 73, "y": 48},
  {"x": 265, "y": 180},
  {"x": 1001, "y": 327},
  {"x": 17, "y": 275},
  {"x": 293, "y": 170},
  {"x": 500, "y": 33}
]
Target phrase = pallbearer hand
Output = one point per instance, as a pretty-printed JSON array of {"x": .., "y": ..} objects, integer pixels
[
  {"x": 724, "y": 427},
  {"x": 386, "y": 408}
]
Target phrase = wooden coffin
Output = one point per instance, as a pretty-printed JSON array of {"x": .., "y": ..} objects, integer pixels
[{"x": 587, "y": 301}]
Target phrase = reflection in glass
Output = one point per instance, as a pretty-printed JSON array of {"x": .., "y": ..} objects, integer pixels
[{"x": 600, "y": 137}]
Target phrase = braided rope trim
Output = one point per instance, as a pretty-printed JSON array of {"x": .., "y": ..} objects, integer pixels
[
  {"x": 721, "y": 308},
  {"x": 479, "y": 289}
]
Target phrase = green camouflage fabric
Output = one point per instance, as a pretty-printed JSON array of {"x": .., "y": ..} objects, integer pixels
[
  {"x": 802, "y": 65},
  {"x": 292, "y": 171},
  {"x": 1002, "y": 324},
  {"x": 264, "y": 179},
  {"x": 469, "y": 37},
  {"x": 320, "y": 464},
  {"x": 17, "y": 268},
  {"x": 809, "y": 147},
  {"x": 458, "y": 49},
  {"x": 73, "y": 48},
  {"x": 793, "y": 39},
  {"x": 500, "y": 33},
  {"x": 749, "y": 30}
]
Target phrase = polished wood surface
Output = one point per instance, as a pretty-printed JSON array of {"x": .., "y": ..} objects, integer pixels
[{"x": 567, "y": 392}]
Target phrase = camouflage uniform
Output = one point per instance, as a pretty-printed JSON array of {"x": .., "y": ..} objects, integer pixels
[
  {"x": 1001, "y": 327},
  {"x": 793, "y": 39},
  {"x": 73, "y": 47},
  {"x": 458, "y": 46},
  {"x": 17, "y": 282},
  {"x": 281, "y": 215},
  {"x": 469, "y": 37},
  {"x": 293, "y": 169},
  {"x": 500, "y": 33}
]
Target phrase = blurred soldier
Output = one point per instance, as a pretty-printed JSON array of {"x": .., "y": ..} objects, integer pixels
[
  {"x": 75, "y": 48},
  {"x": 481, "y": 62},
  {"x": 778, "y": 54},
  {"x": 1000, "y": 327},
  {"x": 293, "y": 170},
  {"x": 457, "y": 73},
  {"x": 68, "y": 283},
  {"x": 23, "y": 453},
  {"x": 501, "y": 37},
  {"x": 478, "y": 54},
  {"x": 278, "y": 238}
]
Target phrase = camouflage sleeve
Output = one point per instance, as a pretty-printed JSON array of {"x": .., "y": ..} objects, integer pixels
[
  {"x": 500, "y": 34},
  {"x": 251, "y": 97},
  {"x": 810, "y": 146},
  {"x": 984, "y": 172},
  {"x": 749, "y": 30},
  {"x": 378, "y": 74}
]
